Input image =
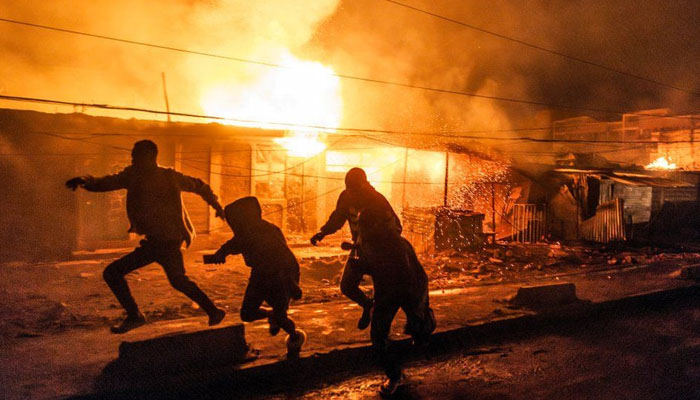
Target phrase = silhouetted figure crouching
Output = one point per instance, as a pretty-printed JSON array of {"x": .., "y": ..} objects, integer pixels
[
  {"x": 155, "y": 210},
  {"x": 274, "y": 275}
]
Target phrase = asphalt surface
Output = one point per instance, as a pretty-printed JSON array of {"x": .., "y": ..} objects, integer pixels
[{"x": 644, "y": 353}]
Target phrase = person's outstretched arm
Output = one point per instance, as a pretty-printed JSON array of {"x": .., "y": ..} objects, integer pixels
[
  {"x": 198, "y": 186},
  {"x": 101, "y": 184},
  {"x": 231, "y": 247},
  {"x": 335, "y": 221}
]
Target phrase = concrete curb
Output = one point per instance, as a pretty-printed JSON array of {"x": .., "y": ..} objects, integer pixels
[{"x": 342, "y": 363}]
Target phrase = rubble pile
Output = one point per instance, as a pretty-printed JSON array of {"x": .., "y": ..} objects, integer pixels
[
  {"x": 35, "y": 315},
  {"x": 512, "y": 261}
]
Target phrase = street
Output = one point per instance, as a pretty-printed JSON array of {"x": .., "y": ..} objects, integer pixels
[
  {"x": 645, "y": 355},
  {"x": 44, "y": 319}
]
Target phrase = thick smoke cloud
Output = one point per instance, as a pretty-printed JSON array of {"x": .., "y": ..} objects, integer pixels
[
  {"x": 658, "y": 39},
  {"x": 369, "y": 38},
  {"x": 50, "y": 64}
]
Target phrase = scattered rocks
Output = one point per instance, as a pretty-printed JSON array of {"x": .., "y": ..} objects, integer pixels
[{"x": 452, "y": 268}]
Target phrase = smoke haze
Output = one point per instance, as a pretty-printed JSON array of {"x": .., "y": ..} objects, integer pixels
[{"x": 369, "y": 38}]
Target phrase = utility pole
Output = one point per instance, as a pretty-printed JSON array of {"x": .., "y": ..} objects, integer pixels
[
  {"x": 301, "y": 201},
  {"x": 405, "y": 168},
  {"x": 165, "y": 95},
  {"x": 447, "y": 169},
  {"x": 493, "y": 208}
]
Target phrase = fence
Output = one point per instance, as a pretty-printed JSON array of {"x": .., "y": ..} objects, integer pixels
[
  {"x": 607, "y": 225},
  {"x": 529, "y": 224},
  {"x": 419, "y": 228}
]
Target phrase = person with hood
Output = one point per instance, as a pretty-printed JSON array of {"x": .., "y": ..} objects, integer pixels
[
  {"x": 357, "y": 196},
  {"x": 274, "y": 274},
  {"x": 155, "y": 210},
  {"x": 400, "y": 282}
]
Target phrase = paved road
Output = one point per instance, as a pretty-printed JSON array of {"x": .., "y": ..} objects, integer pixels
[{"x": 649, "y": 354}]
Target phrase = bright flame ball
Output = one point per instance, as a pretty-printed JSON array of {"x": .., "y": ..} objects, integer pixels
[
  {"x": 301, "y": 144},
  {"x": 661, "y": 164},
  {"x": 303, "y": 94}
]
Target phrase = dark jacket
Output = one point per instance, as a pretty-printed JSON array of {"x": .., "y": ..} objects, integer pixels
[
  {"x": 261, "y": 243},
  {"x": 153, "y": 200},
  {"x": 349, "y": 206},
  {"x": 392, "y": 261}
]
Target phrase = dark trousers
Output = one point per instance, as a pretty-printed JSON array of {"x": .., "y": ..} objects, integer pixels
[
  {"x": 272, "y": 289},
  {"x": 353, "y": 272},
  {"x": 164, "y": 252},
  {"x": 420, "y": 323}
]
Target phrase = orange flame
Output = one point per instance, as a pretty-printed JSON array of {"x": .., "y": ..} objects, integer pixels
[
  {"x": 302, "y": 144},
  {"x": 661, "y": 164},
  {"x": 304, "y": 95}
]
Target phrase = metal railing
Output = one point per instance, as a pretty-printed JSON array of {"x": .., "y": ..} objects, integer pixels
[{"x": 529, "y": 223}]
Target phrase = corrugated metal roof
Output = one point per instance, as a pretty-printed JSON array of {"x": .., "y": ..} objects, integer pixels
[
  {"x": 646, "y": 180},
  {"x": 627, "y": 178}
]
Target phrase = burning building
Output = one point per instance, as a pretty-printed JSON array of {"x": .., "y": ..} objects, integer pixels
[
  {"x": 651, "y": 137},
  {"x": 296, "y": 175}
]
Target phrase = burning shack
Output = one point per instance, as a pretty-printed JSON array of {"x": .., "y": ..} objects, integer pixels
[
  {"x": 609, "y": 204},
  {"x": 296, "y": 176}
]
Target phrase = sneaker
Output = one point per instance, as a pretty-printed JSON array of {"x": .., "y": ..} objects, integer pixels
[
  {"x": 390, "y": 386},
  {"x": 294, "y": 346},
  {"x": 216, "y": 317},
  {"x": 274, "y": 328},
  {"x": 366, "y": 318},
  {"x": 129, "y": 323}
]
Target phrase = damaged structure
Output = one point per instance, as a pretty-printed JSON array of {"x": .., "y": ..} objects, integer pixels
[
  {"x": 606, "y": 205},
  {"x": 297, "y": 189},
  {"x": 449, "y": 193}
]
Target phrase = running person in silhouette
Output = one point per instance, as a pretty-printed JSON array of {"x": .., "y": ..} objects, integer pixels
[
  {"x": 155, "y": 210},
  {"x": 400, "y": 282},
  {"x": 357, "y": 196},
  {"x": 274, "y": 270}
]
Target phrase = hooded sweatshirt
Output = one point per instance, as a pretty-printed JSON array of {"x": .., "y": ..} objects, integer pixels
[{"x": 261, "y": 243}]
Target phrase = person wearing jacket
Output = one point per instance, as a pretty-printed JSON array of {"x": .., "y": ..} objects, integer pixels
[
  {"x": 155, "y": 210},
  {"x": 274, "y": 274},
  {"x": 400, "y": 282},
  {"x": 357, "y": 196}
]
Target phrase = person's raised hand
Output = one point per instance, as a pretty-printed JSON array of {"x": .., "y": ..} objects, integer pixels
[
  {"x": 317, "y": 238},
  {"x": 76, "y": 182},
  {"x": 220, "y": 213}
]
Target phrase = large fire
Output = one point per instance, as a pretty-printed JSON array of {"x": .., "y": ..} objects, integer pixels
[
  {"x": 305, "y": 95},
  {"x": 302, "y": 144},
  {"x": 661, "y": 163}
]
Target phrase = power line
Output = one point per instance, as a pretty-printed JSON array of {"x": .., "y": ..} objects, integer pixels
[
  {"x": 63, "y": 135},
  {"x": 285, "y": 171},
  {"x": 543, "y": 49},
  {"x": 274, "y": 65},
  {"x": 317, "y": 127},
  {"x": 268, "y": 173}
]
